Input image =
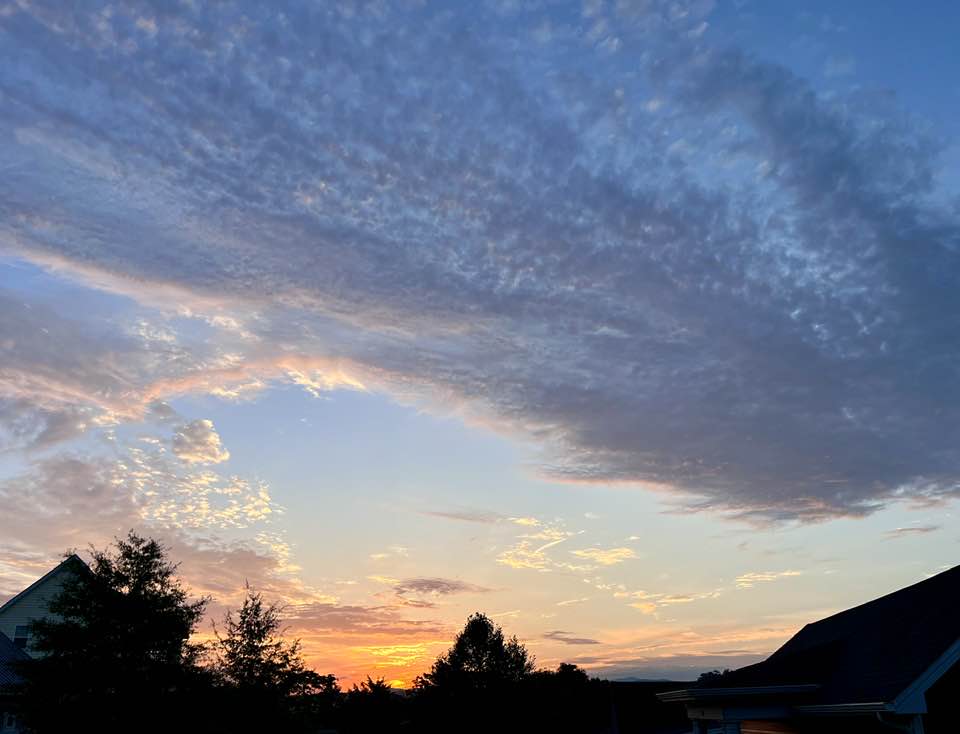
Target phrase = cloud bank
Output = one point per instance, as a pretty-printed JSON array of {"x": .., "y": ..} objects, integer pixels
[{"x": 671, "y": 264}]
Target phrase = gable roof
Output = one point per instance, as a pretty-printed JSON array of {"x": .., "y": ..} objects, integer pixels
[
  {"x": 9, "y": 654},
  {"x": 870, "y": 653},
  {"x": 73, "y": 562}
]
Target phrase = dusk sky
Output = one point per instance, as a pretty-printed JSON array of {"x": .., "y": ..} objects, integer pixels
[{"x": 635, "y": 325}]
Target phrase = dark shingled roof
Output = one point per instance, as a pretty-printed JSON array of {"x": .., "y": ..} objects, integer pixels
[
  {"x": 9, "y": 654},
  {"x": 870, "y": 653}
]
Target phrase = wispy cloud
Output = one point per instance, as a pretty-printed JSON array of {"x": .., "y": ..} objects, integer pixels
[
  {"x": 393, "y": 551},
  {"x": 425, "y": 586},
  {"x": 605, "y": 556},
  {"x": 478, "y": 516},
  {"x": 524, "y": 555},
  {"x": 530, "y": 522},
  {"x": 650, "y": 602},
  {"x": 530, "y": 551},
  {"x": 483, "y": 516},
  {"x": 910, "y": 530},
  {"x": 839, "y": 66},
  {"x": 752, "y": 578},
  {"x": 567, "y": 639}
]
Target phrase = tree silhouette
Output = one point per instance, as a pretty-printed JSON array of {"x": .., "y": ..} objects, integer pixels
[
  {"x": 713, "y": 678},
  {"x": 117, "y": 643},
  {"x": 376, "y": 689},
  {"x": 563, "y": 700},
  {"x": 476, "y": 684},
  {"x": 373, "y": 706},
  {"x": 480, "y": 659},
  {"x": 252, "y": 654},
  {"x": 270, "y": 683}
]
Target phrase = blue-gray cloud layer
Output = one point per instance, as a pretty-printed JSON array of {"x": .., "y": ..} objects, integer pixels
[{"x": 671, "y": 263}]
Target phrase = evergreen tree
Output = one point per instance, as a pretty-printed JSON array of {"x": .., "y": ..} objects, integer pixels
[
  {"x": 266, "y": 675},
  {"x": 116, "y": 645}
]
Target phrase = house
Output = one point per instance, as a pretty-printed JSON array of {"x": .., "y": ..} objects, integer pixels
[
  {"x": 16, "y": 617},
  {"x": 33, "y": 602},
  {"x": 10, "y": 655},
  {"x": 888, "y": 665}
]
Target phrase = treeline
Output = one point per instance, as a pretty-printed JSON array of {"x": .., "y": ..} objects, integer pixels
[{"x": 117, "y": 655}]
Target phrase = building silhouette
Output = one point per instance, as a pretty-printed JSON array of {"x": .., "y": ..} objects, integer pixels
[{"x": 890, "y": 664}]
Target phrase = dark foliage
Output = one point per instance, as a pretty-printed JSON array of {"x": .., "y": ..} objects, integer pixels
[
  {"x": 372, "y": 706},
  {"x": 116, "y": 656},
  {"x": 116, "y": 645},
  {"x": 480, "y": 659},
  {"x": 264, "y": 678},
  {"x": 713, "y": 678},
  {"x": 486, "y": 682}
]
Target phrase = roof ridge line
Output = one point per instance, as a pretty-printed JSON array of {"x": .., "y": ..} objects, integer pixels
[{"x": 73, "y": 558}]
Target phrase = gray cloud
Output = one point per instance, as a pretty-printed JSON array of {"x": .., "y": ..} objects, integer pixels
[
  {"x": 424, "y": 586},
  {"x": 478, "y": 516},
  {"x": 745, "y": 292},
  {"x": 27, "y": 425},
  {"x": 55, "y": 368},
  {"x": 61, "y": 374},
  {"x": 911, "y": 530},
  {"x": 66, "y": 502},
  {"x": 565, "y": 638}
]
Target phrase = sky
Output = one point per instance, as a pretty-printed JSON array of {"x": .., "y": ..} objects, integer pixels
[{"x": 635, "y": 325}]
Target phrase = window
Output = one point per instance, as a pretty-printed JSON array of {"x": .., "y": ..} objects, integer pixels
[{"x": 21, "y": 635}]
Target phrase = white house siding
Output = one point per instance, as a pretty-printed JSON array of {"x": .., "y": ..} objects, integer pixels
[{"x": 33, "y": 604}]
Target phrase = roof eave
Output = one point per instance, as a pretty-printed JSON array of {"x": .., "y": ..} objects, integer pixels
[
  {"x": 696, "y": 695},
  {"x": 845, "y": 708},
  {"x": 912, "y": 700}
]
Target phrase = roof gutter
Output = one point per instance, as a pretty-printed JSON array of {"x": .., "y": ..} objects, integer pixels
[
  {"x": 846, "y": 708},
  {"x": 693, "y": 695}
]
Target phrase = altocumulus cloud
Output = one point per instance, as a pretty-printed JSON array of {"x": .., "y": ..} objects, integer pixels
[
  {"x": 198, "y": 442},
  {"x": 671, "y": 264}
]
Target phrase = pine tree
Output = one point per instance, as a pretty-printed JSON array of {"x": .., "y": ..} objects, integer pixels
[{"x": 267, "y": 675}]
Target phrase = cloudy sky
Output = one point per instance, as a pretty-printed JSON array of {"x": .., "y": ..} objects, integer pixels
[{"x": 634, "y": 324}]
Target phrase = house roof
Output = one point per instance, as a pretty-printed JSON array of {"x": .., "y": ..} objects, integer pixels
[
  {"x": 73, "y": 562},
  {"x": 870, "y": 653},
  {"x": 9, "y": 654}
]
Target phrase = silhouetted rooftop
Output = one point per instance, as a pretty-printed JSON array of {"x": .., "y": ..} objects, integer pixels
[
  {"x": 870, "y": 653},
  {"x": 73, "y": 562}
]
